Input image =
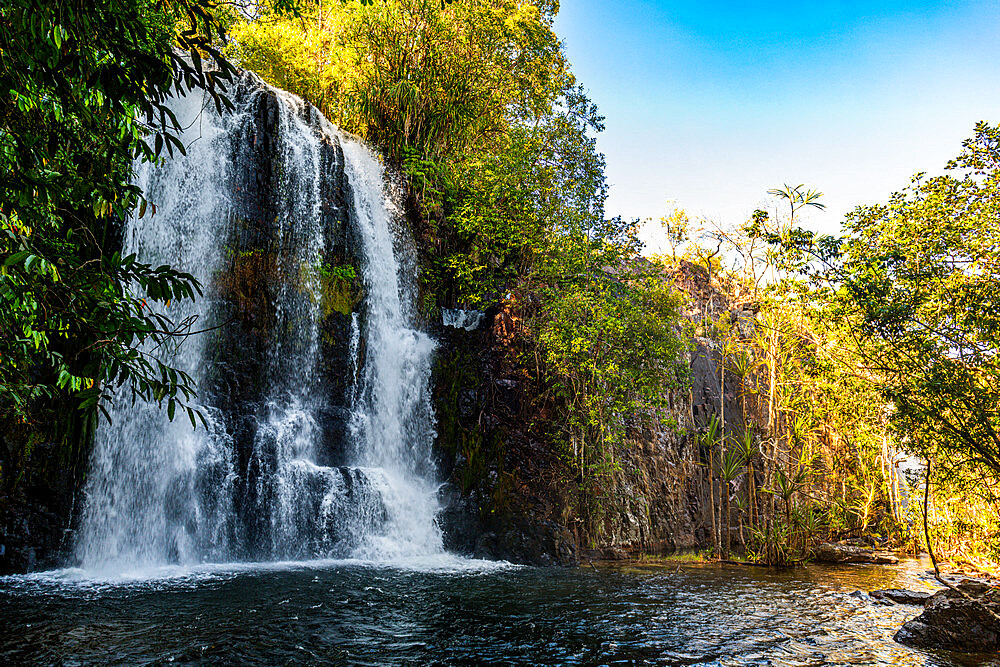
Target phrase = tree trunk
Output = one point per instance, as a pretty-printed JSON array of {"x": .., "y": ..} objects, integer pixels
[
  {"x": 711, "y": 495},
  {"x": 729, "y": 518}
]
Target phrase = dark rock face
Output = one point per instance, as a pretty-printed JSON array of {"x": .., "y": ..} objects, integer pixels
[
  {"x": 833, "y": 552},
  {"x": 483, "y": 449},
  {"x": 509, "y": 496},
  {"x": 530, "y": 542},
  {"x": 37, "y": 514},
  {"x": 37, "y": 535},
  {"x": 953, "y": 622},
  {"x": 245, "y": 370},
  {"x": 901, "y": 596}
]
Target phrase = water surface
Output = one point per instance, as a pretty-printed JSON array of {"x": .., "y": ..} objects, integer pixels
[{"x": 444, "y": 610}]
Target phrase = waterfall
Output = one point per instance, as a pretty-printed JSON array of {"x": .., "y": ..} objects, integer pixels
[
  {"x": 314, "y": 385},
  {"x": 392, "y": 424}
]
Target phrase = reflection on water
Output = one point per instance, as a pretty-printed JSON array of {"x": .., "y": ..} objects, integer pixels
[{"x": 464, "y": 612}]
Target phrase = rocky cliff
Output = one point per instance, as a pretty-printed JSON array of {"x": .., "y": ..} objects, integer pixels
[{"x": 508, "y": 493}]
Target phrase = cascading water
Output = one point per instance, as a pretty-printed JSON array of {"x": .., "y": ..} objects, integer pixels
[
  {"x": 392, "y": 425},
  {"x": 145, "y": 470},
  {"x": 317, "y": 398}
]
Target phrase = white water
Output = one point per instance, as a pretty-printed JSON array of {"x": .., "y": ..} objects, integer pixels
[
  {"x": 393, "y": 422},
  {"x": 160, "y": 494},
  {"x": 457, "y": 318},
  {"x": 143, "y": 469}
]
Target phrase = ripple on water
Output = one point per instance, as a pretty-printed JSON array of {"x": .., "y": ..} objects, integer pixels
[{"x": 448, "y": 610}]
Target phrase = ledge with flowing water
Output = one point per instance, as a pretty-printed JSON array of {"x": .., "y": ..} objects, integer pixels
[{"x": 315, "y": 384}]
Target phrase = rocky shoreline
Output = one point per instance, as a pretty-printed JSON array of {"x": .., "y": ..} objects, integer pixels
[{"x": 964, "y": 618}]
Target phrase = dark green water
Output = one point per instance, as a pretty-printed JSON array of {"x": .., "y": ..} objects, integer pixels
[{"x": 458, "y": 612}]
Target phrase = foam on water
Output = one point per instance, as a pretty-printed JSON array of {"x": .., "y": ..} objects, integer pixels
[{"x": 183, "y": 576}]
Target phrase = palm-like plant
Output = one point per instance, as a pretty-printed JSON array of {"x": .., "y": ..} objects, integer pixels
[
  {"x": 769, "y": 544},
  {"x": 732, "y": 463},
  {"x": 797, "y": 198},
  {"x": 709, "y": 438},
  {"x": 809, "y": 524},
  {"x": 786, "y": 485},
  {"x": 748, "y": 449}
]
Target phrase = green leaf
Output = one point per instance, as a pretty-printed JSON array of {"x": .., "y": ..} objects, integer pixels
[{"x": 16, "y": 258}]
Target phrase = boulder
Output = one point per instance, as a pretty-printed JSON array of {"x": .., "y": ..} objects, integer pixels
[
  {"x": 834, "y": 552},
  {"x": 901, "y": 596},
  {"x": 953, "y": 622}
]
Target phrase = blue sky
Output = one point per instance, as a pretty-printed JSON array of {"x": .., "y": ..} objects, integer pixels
[{"x": 711, "y": 104}]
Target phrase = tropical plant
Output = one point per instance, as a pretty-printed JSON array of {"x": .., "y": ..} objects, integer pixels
[
  {"x": 748, "y": 449},
  {"x": 797, "y": 198},
  {"x": 729, "y": 470}
]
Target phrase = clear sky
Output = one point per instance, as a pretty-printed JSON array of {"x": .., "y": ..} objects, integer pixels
[{"x": 710, "y": 104}]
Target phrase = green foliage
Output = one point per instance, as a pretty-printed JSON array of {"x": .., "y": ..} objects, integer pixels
[
  {"x": 532, "y": 212},
  {"x": 920, "y": 279},
  {"x": 964, "y": 525},
  {"x": 677, "y": 229},
  {"x": 823, "y": 452},
  {"x": 337, "y": 288},
  {"x": 611, "y": 353},
  {"x": 732, "y": 465},
  {"x": 85, "y": 88},
  {"x": 413, "y": 74},
  {"x": 797, "y": 198}
]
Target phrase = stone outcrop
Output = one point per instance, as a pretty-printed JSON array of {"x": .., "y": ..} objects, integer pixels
[
  {"x": 901, "y": 596},
  {"x": 965, "y": 620},
  {"x": 836, "y": 552}
]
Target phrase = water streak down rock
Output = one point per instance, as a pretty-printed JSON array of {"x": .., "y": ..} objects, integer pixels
[{"x": 314, "y": 383}]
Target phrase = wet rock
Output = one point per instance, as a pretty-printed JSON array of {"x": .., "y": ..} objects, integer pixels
[
  {"x": 835, "y": 552},
  {"x": 529, "y": 542},
  {"x": 951, "y": 621},
  {"x": 459, "y": 520},
  {"x": 901, "y": 596},
  {"x": 36, "y": 520}
]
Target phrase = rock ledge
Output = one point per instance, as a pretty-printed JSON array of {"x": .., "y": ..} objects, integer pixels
[
  {"x": 901, "y": 596},
  {"x": 836, "y": 552},
  {"x": 953, "y": 622}
]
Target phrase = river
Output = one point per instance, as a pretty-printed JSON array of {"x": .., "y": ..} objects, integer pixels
[{"x": 445, "y": 610}]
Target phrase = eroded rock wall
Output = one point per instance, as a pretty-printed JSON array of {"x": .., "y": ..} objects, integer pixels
[{"x": 510, "y": 496}]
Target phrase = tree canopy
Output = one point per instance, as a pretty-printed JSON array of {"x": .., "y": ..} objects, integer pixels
[{"x": 919, "y": 278}]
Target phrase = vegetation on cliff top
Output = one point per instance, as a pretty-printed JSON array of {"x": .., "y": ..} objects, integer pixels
[{"x": 475, "y": 104}]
